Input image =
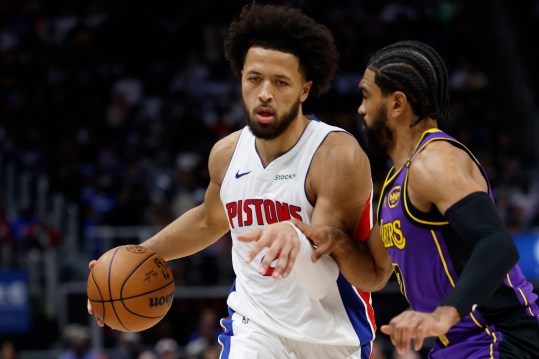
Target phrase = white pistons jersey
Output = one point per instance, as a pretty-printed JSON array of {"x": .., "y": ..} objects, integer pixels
[{"x": 254, "y": 196}]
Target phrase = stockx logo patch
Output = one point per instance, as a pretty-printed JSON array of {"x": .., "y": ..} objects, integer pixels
[{"x": 284, "y": 177}]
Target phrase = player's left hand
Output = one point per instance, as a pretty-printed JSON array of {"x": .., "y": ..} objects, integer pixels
[
  {"x": 417, "y": 326},
  {"x": 283, "y": 244},
  {"x": 324, "y": 238}
]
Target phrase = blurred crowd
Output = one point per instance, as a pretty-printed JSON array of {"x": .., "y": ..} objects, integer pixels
[{"x": 118, "y": 104}]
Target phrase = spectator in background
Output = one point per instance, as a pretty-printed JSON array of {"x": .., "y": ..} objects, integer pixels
[
  {"x": 167, "y": 348},
  {"x": 206, "y": 334},
  {"x": 147, "y": 354},
  {"x": 129, "y": 346},
  {"x": 7, "y": 244},
  {"x": 7, "y": 351},
  {"x": 77, "y": 339}
]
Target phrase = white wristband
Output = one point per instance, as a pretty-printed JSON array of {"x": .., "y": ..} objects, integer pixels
[{"x": 317, "y": 279}]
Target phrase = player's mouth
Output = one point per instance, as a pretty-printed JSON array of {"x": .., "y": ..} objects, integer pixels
[{"x": 264, "y": 114}]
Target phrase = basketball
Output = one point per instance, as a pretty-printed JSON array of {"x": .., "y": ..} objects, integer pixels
[{"x": 130, "y": 288}]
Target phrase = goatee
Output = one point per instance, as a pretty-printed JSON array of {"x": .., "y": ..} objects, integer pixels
[
  {"x": 272, "y": 130},
  {"x": 378, "y": 137}
]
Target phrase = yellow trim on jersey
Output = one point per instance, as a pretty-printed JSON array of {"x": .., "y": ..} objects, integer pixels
[
  {"x": 433, "y": 130},
  {"x": 392, "y": 173},
  {"x": 404, "y": 196},
  {"x": 491, "y": 334},
  {"x": 442, "y": 258},
  {"x": 409, "y": 162},
  {"x": 522, "y": 295},
  {"x": 475, "y": 320}
]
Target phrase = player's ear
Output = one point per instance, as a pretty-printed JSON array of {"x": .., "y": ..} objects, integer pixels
[
  {"x": 305, "y": 91},
  {"x": 400, "y": 103}
]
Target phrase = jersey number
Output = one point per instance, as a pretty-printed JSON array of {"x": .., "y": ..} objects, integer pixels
[{"x": 400, "y": 278}]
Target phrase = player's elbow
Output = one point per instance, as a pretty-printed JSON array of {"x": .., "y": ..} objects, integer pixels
[
  {"x": 510, "y": 253},
  {"x": 375, "y": 281},
  {"x": 499, "y": 248},
  {"x": 381, "y": 277}
]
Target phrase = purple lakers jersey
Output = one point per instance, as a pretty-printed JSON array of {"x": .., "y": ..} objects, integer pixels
[{"x": 428, "y": 258}]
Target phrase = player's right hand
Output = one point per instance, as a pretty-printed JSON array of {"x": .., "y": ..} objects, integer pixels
[
  {"x": 282, "y": 243},
  {"x": 89, "y": 306}
]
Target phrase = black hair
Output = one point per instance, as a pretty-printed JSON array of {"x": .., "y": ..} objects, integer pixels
[
  {"x": 416, "y": 69},
  {"x": 287, "y": 29}
]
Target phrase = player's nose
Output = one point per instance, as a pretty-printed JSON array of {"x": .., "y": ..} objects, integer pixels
[{"x": 265, "y": 94}]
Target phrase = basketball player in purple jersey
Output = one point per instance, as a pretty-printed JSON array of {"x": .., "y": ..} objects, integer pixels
[{"x": 456, "y": 262}]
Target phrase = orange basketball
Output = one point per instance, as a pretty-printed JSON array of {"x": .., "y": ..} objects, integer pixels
[{"x": 130, "y": 288}]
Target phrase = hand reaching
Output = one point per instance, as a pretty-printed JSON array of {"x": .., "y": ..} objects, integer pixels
[
  {"x": 417, "y": 326},
  {"x": 324, "y": 238},
  {"x": 89, "y": 306}
]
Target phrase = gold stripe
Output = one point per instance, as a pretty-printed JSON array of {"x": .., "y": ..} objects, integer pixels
[
  {"x": 523, "y": 297},
  {"x": 404, "y": 196},
  {"x": 476, "y": 322},
  {"x": 445, "y": 340},
  {"x": 491, "y": 334},
  {"x": 520, "y": 290},
  {"x": 391, "y": 175},
  {"x": 418, "y": 150},
  {"x": 442, "y": 258}
]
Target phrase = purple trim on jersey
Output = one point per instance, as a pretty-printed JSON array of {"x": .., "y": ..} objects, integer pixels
[
  {"x": 356, "y": 309},
  {"x": 523, "y": 289},
  {"x": 470, "y": 338}
]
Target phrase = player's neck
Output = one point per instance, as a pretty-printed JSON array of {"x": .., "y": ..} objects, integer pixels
[
  {"x": 406, "y": 141},
  {"x": 269, "y": 150}
]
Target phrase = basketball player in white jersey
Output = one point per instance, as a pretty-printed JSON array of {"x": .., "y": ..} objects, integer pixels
[{"x": 284, "y": 167}]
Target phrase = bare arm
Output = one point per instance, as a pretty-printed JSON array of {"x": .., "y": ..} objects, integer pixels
[
  {"x": 340, "y": 178},
  {"x": 441, "y": 175},
  {"x": 373, "y": 264},
  {"x": 446, "y": 177},
  {"x": 201, "y": 226},
  {"x": 338, "y": 185}
]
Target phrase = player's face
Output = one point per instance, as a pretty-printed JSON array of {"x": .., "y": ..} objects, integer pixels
[
  {"x": 378, "y": 135},
  {"x": 273, "y": 89}
]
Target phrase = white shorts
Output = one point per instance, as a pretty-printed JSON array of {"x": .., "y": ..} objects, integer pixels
[{"x": 243, "y": 339}]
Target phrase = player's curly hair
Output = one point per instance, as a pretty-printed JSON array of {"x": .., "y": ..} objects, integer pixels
[
  {"x": 286, "y": 29},
  {"x": 416, "y": 69}
]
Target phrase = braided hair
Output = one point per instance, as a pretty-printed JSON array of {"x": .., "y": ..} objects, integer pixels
[
  {"x": 418, "y": 70},
  {"x": 286, "y": 29}
]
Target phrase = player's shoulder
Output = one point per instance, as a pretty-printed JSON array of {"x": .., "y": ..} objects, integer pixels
[
  {"x": 226, "y": 145},
  {"x": 340, "y": 154},
  {"x": 221, "y": 155},
  {"x": 439, "y": 157},
  {"x": 341, "y": 146},
  {"x": 440, "y": 164}
]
